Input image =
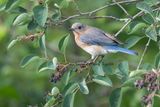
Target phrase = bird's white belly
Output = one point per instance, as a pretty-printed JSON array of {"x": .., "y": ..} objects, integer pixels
[{"x": 95, "y": 50}]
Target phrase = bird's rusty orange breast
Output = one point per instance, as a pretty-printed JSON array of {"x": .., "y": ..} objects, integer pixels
[{"x": 77, "y": 40}]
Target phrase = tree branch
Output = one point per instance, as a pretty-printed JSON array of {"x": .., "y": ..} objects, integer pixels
[{"x": 96, "y": 10}]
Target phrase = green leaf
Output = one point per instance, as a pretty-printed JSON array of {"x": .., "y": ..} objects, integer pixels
[
  {"x": 130, "y": 42},
  {"x": 32, "y": 25},
  {"x": 124, "y": 68},
  {"x": 46, "y": 66},
  {"x": 151, "y": 2},
  {"x": 122, "y": 71},
  {"x": 56, "y": 15},
  {"x": 10, "y": 4},
  {"x": 28, "y": 59},
  {"x": 55, "y": 91},
  {"x": 157, "y": 61},
  {"x": 69, "y": 100},
  {"x": 42, "y": 44},
  {"x": 50, "y": 103},
  {"x": 67, "y": 77},
  {"x": 3, "y": 4},
  {"x": 12, "y": 43},
  {"x": 83, "y": 87},
  {"x": 21, "y": 19},
  {"x": 18, "y": 10},
  {"x": 64, "y": 4},
  {"x": 144, "y": 7},
  {"x": 63, "y": 43},
  {"x": 70, "y": 88},
  {"x": 41, "y": 14},
  {"x": 102, "y": 80},
  {"x": 136, "y": 73},
  {"x": 148, "y": 18},
  {"x": 108, "y": 69},
  {"x": 115, "y": 98},
  {"x": 136, "y": 26},
  {"x": 151, "y": 33},
  {"x": 55, "y": 61},
  {"x": 98, "y": 69},
  {"x": 130, "y": 82}
]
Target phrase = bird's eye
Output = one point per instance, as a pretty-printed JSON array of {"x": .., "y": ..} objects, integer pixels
[{"x": 79, "y": 27}]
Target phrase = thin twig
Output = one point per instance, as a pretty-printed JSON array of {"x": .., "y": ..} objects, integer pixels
[
  {"x": 120, "y": 2},
  {"x": 125, "y": 11},
  {"x": 145, "y": 49},
  {"x": 129, "y": 20},
  {"x": 109, "y": 17},
  {"x": 96, "y": 10},
  {"x": 77, "y": 8}
]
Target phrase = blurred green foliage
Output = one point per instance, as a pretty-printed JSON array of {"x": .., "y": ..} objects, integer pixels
[{"x": 21, "y": 87}]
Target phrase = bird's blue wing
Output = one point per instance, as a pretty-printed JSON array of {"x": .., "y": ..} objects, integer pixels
[{"x": 95, "y": 36}]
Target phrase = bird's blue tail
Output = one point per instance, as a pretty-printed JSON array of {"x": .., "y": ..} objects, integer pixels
[{"x": 119, "y": 49}]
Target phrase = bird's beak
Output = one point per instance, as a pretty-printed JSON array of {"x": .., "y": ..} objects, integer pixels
[{"x": 71, "y": 29}]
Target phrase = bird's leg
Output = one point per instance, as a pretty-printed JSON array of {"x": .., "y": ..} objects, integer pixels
[
  {"x": 89, "y": 61},
  {"x": 102, "y": 56},
  {"x": 94, "y": 60}
]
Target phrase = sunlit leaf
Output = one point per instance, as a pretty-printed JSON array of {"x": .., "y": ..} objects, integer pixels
[
  {"x": 54, "y": 61},
  {"x": 157, "y": 61},
  {"x": 98, "y": 70},
  {"x": 46, "y": 66},
  {"x": 70, "y": 88},
  {"x": 102, "y": 80},
  {"x": 21, "y": 19},
  {"x": 130, "y": 42},
  {"x": 41, "y": 14},
  {"x": 148, "y": 18},
  {"x": 67, "y": 77},
  {"x": 151, "y": 33},
  {"x": 136, "y": 26},
  {"x": 69, "y": 100},
  {"x": 12, "y": 43},
  {"x": 144, "y": 7},
  {"x": 50, "y": 103},
  {"x": 42, "y": 44},
  {"x": 136, "y": 73},
  {"x": 63, "y": 43},
  {"x": 28, "y": 59},
  {"x": 115, "y": 98},
  {"x": 55, "y": 91},
  {"x": 83, "y": 87}
]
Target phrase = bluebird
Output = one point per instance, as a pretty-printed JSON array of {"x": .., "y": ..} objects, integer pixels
[{"x": 97, "y": 42}]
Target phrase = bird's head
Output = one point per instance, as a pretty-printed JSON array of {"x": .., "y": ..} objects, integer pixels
[{"x": 78, "y": 27}]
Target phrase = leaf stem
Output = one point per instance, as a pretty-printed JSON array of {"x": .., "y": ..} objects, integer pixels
[{"x": 145, "y": 49}]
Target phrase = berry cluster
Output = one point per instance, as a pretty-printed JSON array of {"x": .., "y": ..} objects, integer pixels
[
  {"x": 151, "y": 84},
  {"x": 60, "y": 70}
]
